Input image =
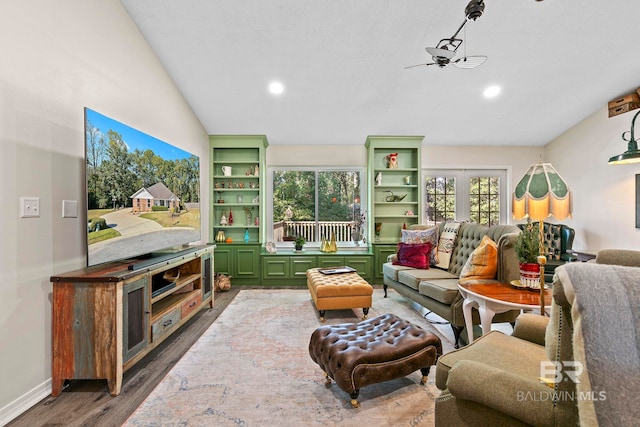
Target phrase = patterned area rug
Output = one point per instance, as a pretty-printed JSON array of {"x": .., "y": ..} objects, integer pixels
[{"x": 252, "y": 368}]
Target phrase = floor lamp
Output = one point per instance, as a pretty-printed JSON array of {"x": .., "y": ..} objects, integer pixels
[{"x": 540, "y": 194}]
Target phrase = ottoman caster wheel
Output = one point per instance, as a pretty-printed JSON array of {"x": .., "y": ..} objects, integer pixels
[
  {"x": 354, "y": 399},
  {"x": 327, "y": 379},
  {"x": 425, "y": 375}
]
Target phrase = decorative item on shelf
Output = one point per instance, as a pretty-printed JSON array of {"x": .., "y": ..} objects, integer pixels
[
  {"x": 229, "y": 240},
  {"x": 220, "y": 200},
  {"x": 217, "y": 185},
  {"x": 299, "y": 242},
  {"x": 256, "y": 221},
  {"x": 220, "y": 237},
  {"x": 256, "y": 171},
  {"x": 409, "y": 213},
  {"x": 247, "y": 213},
  {"x": 230, "y": 217},
  {"x": 239, "y": 198},
  {"x": 246, "y": 235},
  {"x": 256, "y": 200},
  {"x": 170, "y": 276},
  {"x": 407, "y": 180},
  {"x": 270, "y": 247},
  {"x": 527, "y": 249},
  {"x": 226, "y": 170},
  {"x": 541, "y": 193},
  {"x": 324, "y": 244},
  {"x": 357, "y": 229},
  {"x": 394, "y": 197},
  {"x": 252, "y": 185},
  {"x": 391, "y": 160},
  {"x": 632, "y": 155},
  {"x": 377, "y": 230},
  {"x": 379, "y": 178},
  {"x": 332, "y": 246},
  {"x": 249, "y": 172},
  {"x": 229, "y": 184},
  {"x": 240, "y": 184},
  {"x": 223, "y": 218}
]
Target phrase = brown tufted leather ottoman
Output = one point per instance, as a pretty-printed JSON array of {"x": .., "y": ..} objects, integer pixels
[
  {"x": 373, "y": 351},
  {"x": 339, "y": 291}
]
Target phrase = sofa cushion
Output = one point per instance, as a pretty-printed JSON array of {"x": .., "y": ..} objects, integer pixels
[
  {"x": 412, "y": 277},
  {"x": 427, "y": 235},
  {"x": 442, "y": 290},
  {"x": 446, "y": 243},
  {"x": 498, "y": 350},
  {"x": 414, "y": 255},
  {"x": 391, "y": 270},
  {"x": 482, "y": 263}
]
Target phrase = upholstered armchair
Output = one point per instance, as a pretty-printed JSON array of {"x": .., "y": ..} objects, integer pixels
[
  {"x": 558, "y": 240},
  {"x": 580, "y": 366}
]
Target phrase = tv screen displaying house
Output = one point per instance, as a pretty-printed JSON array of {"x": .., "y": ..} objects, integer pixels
[{"x": 143, "y": 194}]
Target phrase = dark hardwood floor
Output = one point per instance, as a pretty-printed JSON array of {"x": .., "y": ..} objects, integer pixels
[{"x": 88, "y": 403}]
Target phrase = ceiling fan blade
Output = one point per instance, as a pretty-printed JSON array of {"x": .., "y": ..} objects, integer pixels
[
  {"x": 468, "y": 62},
  {"x": 420, "y": 65},
  {"x": 440, "y": 52}
]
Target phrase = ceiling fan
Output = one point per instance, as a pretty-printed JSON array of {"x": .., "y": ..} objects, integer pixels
[{"x": 446, "y": 49}]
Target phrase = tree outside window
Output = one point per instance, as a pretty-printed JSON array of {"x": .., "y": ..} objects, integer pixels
[{"x": 315, "y": 204}]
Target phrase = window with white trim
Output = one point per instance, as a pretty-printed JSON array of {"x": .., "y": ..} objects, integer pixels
[
  {"x": 475, "y": 195},
  {"x": 316, "y": 203}
]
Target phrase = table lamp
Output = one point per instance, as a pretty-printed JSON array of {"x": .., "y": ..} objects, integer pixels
[{"x": 540, "y": 194}]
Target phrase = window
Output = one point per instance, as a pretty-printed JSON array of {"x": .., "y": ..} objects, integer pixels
[
  {"x": 472, "y": 195},
  {"x": 316, "y": 203}
]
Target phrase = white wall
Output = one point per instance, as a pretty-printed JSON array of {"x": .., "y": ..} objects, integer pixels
[
  {"x": 603, "y": 195},
  {"x": 59, "y": 56}
]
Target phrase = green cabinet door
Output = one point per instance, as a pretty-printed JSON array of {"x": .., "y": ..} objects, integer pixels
[
  {"x": 300, "y": 265},
  {"x": 362, "y": 264},
  {"x": 247, "y": 262},
  {"x": 240, "y": 261},
  {"x": 325, "y": 261},
  {"x": 380, "y": 254}
]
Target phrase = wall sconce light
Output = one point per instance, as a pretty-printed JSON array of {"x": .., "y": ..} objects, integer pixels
[{"x": 632, "y": 155}]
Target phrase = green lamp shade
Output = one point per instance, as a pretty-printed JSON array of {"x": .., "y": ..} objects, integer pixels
[{"x": 541, "y": 193}]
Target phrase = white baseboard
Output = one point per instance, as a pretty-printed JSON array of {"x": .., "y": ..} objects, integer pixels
[{"x": 24, "y": 402}]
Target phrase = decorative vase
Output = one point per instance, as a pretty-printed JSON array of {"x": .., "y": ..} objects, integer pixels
[
  {"x": 333, "y": 246},
  {"x": 357, "y": 235},
  {"x": 530, "y": 275},
  {"x": 230, "y": 217},
  {"x": 246, "y": 235}
]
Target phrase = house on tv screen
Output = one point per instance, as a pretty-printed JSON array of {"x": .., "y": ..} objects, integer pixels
[{"x": 157, "y": 195}]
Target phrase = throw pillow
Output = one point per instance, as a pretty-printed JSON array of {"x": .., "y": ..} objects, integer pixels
[
  {"x": 429, "y": 235},
  {"x": 482, "y": 263},
  {"x": 446, "y": 243},
  {"x": 414, "y": 255}
]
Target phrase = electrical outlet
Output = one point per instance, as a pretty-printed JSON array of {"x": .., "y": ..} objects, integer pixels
[{"x": 29, "y": 207}]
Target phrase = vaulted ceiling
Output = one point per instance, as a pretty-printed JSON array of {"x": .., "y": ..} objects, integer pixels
[{"x": 342, "y": 66}]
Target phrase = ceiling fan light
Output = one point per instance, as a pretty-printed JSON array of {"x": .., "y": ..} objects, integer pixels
[{"x": 437, "y": 52}]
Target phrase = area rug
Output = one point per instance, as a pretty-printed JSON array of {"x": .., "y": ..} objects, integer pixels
[{"x": 252, "y": 368}]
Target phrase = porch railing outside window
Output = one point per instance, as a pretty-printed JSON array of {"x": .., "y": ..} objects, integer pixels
[{"x": 289, "y": 229}]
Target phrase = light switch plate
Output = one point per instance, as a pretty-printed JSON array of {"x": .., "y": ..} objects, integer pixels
[
  {"x": 29, "y": 207},
  {"x": 69, "y": 209}
]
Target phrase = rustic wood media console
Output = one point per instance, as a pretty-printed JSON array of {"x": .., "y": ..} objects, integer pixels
[{"x": 108, "y": 317}]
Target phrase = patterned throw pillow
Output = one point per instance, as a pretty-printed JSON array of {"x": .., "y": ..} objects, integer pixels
[
  {"x": 414, "y": 255},
  {"x": 429, "y": 235},
  {"x": 446, "y": 244},
  {"x": 482, "y": 263}
]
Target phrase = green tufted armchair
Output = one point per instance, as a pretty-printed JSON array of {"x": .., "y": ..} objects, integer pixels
[{"x": 558, "y": 239}]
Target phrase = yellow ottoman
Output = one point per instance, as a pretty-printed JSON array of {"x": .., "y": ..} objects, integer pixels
[{"x": 339, "y": 291}]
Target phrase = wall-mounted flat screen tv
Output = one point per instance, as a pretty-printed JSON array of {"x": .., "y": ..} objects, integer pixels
[{"x": 143, "y": 194}]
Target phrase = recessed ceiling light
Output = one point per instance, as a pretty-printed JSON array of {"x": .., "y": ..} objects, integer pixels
[
  {"x": 276, "y": 88},
  {"x": 491, "y": 91}
]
